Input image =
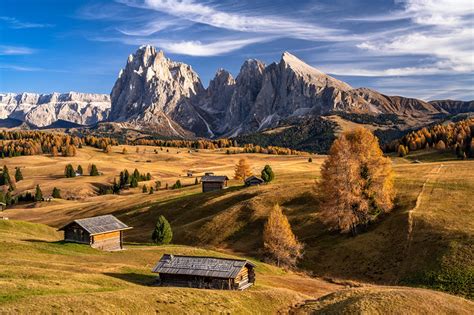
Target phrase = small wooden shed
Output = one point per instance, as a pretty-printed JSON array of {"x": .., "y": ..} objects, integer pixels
[
  {"x": 103, "y": 232},
  {"x": 205, "y": 272},
  {"x": 212, "y": 182},
  {"x": 253, "y": 181}
]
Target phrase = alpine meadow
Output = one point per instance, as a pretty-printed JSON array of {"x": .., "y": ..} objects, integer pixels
[{"x": 328, "y": 169}]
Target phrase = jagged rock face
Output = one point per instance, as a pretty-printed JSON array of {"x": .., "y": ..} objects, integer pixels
[
  {"x": 155, "y": 92},
  {"x": 42, "y": 110}
]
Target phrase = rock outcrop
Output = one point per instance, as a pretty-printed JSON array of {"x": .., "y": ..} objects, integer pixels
[{"x": 41, "y": 110}]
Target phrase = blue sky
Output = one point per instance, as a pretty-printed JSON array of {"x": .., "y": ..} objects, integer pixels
[{"x": 417, "y": 48}]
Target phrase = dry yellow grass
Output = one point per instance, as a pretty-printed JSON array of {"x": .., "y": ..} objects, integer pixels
[{"x": 437, "y": 253}]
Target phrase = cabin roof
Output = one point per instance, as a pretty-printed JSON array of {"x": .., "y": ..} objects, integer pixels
[
  {"x": 253, "y": 177},
  {"x": 200, "y": 266},
  {"x": 214, "y": 179},
  {"x": 100, "y": 224}
]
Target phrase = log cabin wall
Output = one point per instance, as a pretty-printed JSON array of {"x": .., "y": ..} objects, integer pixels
[
  {"x": 75, "y": 233},
  {"x": 107, "y": 241},
  {"x": 212, "y": 186}
]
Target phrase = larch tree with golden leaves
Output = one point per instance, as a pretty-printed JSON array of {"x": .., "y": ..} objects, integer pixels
[
  {"x": 357, "y": 182},
  {"x": 242, "y": 170},
  {"x": 279, "y": 241}
]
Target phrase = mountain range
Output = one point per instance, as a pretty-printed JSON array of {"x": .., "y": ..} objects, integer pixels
[{"x": 155, "y": 94}]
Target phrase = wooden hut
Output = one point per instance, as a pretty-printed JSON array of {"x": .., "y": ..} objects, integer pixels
[
  {"x": 104, "y": 232},
  {"x": 205, "y": 272},
  {"x": 212, "y": 182},
  {"x": 253, "y": 181}
]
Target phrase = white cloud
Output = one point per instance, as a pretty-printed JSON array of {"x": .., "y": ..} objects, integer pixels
[
  {"x": 17, "y": 24},
  {"x": 258, "y": 23},
  {"x": 197, "y": 48},
  {"x": 446, "y": 33},
  {"x": 20, "y": 68},
  {"x": 15, "y": 50}
]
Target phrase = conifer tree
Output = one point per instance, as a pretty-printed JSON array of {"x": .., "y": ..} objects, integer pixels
[
  {"x": 162, "y": 234},
  {"x": 18, "y": 174},
  {"x": 267, "y": 174},
  {"x": 38, "y": 194},
  {"x": 310, "y": 160},
  {"x": 94, "y": 171},
  {"x": 133, "y": 182},
  {"x": 152, "y": 190},
  {"x": 279, "y": 241},
  {"x": 144, "y": 189},
  {"x": 242, "y": 170},
  {"x": 79, "y": 170},
  {"x": 357, "y": 182},
  {"x": 69, "y": 171},
  {"x": 177, "y": 185},
  {"x": 196, "y": 181},
  {"x": 56, "y": 193},
  {"x": 157, "y": 184}
]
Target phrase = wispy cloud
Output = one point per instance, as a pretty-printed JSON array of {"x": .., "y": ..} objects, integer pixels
[
  {"x": 15, "y": 50},
  {"x": 20, "y": 68},
  {"x": 236, "y": 21},
  {"x": 14, "y": 23}
]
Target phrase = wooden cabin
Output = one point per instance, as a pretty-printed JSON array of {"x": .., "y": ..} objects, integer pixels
[
  {"x": 104, "y": 232},
  {"x": 212, "y": 182},
  {"x": 254, "y": 181},
  {"x": 205, "y": 272}
]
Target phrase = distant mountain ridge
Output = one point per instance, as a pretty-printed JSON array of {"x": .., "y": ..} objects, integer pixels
[
  {"x": 42, "y": 110},
  {"x": 154, "y": 92}
]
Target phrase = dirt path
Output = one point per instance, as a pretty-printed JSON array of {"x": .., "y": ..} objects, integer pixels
[{"x": 432, "y": 176}]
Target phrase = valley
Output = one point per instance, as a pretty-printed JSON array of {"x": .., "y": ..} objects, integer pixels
[{"x": 425, "y": 242}]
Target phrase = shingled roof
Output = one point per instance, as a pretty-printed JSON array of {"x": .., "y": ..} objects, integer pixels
[
  {"x": 212, "y": 178},
  {"x": 101, "y": 224},
  {"x": 200, "y": 266}
]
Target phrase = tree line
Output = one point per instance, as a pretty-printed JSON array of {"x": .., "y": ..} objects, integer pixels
[{"x": 456, "y": 137}]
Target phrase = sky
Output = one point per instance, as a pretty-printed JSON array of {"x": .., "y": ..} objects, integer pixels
[{"x": 414, "y": 48}]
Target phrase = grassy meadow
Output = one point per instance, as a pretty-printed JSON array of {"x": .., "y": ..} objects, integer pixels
[{"x": 425, "y": 242}]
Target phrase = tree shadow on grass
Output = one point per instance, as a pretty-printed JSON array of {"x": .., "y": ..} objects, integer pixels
[{"x": 135, "y": 278}]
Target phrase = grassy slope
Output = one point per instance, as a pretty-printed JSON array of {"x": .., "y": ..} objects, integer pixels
[
  {"x": 387, "y": 300},
  {"x": 438, "y": 254},
  {"x": 42, "y": 274}
]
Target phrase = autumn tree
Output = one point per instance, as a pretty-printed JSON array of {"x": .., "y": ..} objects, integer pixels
[
  {"x": 440, "y": 145},
  {"x": 242, "y": 170},
  {"x": 356, "y": 182},
  {"x": 162, "y": 234},
  {"x": 279, "y": 241}
]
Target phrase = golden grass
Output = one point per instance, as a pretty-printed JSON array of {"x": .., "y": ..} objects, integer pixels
[
  {"x": 439, "y": 254},
  {"x": 40, "y": 274}
]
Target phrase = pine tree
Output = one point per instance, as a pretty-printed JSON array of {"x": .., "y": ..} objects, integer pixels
[
  {"x": 357, "y": 182},
  {"x": 69, "y": 171},
  {"x": 279, "y": 241},
  {"x": 310, "y": 160},
  {"x": 267, "y": 174},
  {"x": 56, "y": 193},
  {"x": 242, "y": 170},
  {"x": 144, "y": 189},
  {"x": 133, "y": 182},
  {"x": 79, "y": 170},
  {"x": 196, "y": 181},
  {"x": 94, "y": 171},
  {"x": 18, "y": 174},
  {"x": 38, "y": 194},
  {"x": 152, "y": 190},
  {"x": 157, "y": 184},
  {"x": 177, "y": 185},
  {"x": 162, "y": 234},
  {"x": 8, "y": 198}
]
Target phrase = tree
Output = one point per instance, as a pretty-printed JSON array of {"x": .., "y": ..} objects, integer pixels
[
  {"x": 152, "y": 190},
  {"x": 124, "y": 151},
  {"x": 267, "y": 174},
  {"x": 38, "y": 193},
  {"x": 79, "y": 170},
  {"x": 162, "y": 234},
  {"x": 242, "y": 170},
  {"x": 356, "y": 182},
  {"x": 310, "y": 160},
  {"x": 440, "y": 145},
  {"x": 144, "y": 189},
  {"x": 279, "y": 241},
  {"x": 177, "y": 185},
  {"x": 56, "y": 193},
  {"x": 18, "y": 174},
  {"x": 133, "y": 182},
  {"x": 157, "y": 185},
  {"x": 402, "y": 150},
  {"x": 69, "y": 171},
  {"x": 196, "y": 181},
  {"x": 94, "y": 171}
]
